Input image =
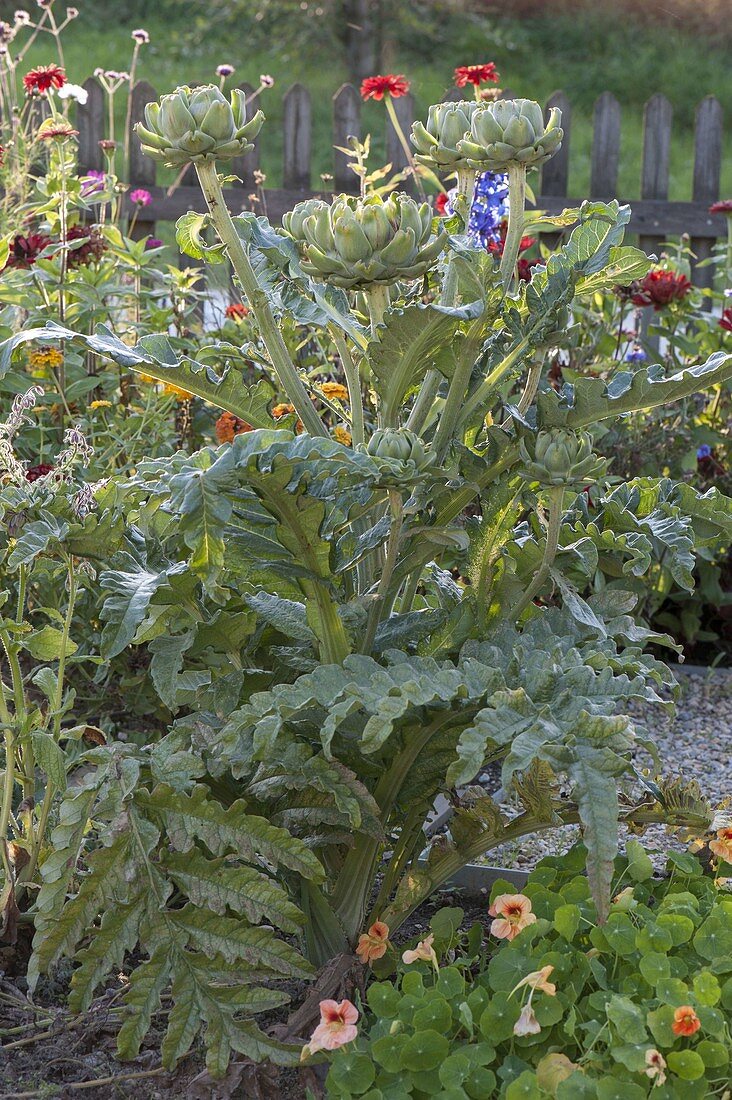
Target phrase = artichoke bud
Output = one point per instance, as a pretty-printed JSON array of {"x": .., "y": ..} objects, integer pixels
[
  {"x": 560, "y": 457},
  {"x": 357, "y": 243},
  {"x": 511, "y": 131},
  {"x": 397, "y": 444},
  {"x": 437, "y": 142},
  {"x": 198, "y": 124}
]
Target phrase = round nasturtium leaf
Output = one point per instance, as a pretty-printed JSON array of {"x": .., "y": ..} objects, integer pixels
[
  {"x": 713, "y": 1055},
  {"x": 672, "y": 991},
  {"x": 714, "y": 939},
  {"x": 678, "y": 926},
  {"x": 496, "y": 1022},
  {"x": 383, "y": 999},
  {"x": 413, "y": 984},
  {"x": 387, "y": 1052},
  {"x": 450, "y": 983},
  {"x": 654, "y": 967},
  {"x": 446, "y": 922},
  {"x": 707, "y": 989},
  {"x": 426, "y": 1050},
  {"x": 455, "y": 1069},
  {"x": 353, "y": 1073},
  {"x": 686, "y": 1064},
  {"x": 480, "y": 1084},
  {"x": 567, "y": 920},
  {"x": 653, "y": 937},
  {"x": 524, "y": 1087},
  {"x": 435, "y": 1013}
]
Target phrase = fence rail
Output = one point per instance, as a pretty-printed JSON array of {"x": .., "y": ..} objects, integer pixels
[{"x": 654, "y": 218}]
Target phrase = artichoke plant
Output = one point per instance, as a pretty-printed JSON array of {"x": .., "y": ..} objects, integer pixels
[
  {"x": 436, "y": 143},
  {"x": 511, "y": 131},
  {"x": 399, "y": 444},
  {"x": 359, "y": 243},
  {"x": 560, "y": 457},
  {"x": 198, "y": 125}
]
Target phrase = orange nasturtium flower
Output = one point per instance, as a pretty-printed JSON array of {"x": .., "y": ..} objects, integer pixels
[
  {"x": 373, "y": 944},
  {"x": 722, "y": 846},
  {"x": 686, "y": 1021},
  {"x": 336, "y": 1028},
  {"x": 512, "y": 913}
]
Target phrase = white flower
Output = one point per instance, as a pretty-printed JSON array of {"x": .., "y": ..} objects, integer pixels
[{"x": 73, "y": 91}]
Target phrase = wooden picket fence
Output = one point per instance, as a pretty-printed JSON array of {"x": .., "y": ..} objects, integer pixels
[{"x": 654, "y": 218}]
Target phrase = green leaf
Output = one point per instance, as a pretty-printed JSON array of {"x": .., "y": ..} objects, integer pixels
[
  {"x": 50, "y": 757},
  {"x": 190, "y": 240},
  {"x": 47, "y": 644}
]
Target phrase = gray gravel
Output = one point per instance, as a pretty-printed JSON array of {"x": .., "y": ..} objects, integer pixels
[{"x": 695, "y": 742}]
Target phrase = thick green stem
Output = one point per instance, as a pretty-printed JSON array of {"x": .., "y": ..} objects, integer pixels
[
  {"x": 481, "y": 394},
  {"x": 448, "y": 297},
  {"x": 353, "y": 382},
  {"x": 554, "y": 524},
  {"x": 378, "y": 300},
  {"x": 269, "y": 330},
  {"x": 7, "y": 802},
  {"x": 514, "y": 233},
  {"x": 392, "y": 549}
]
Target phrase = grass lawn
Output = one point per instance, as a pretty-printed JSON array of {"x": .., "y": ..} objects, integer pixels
[{"x": 582, "y": 54}]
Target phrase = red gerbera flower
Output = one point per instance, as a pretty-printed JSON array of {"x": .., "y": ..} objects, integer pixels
[
  {"x": 726, "y": 320},
  {"x": 476, "y": 74},
  {"x": 723, "y": 207},
  {"x": 44, "y": 77},
  {"x": 659, "y": 288},
  {"x": 441, "y": 202},
  {"x": 376, "y": 87}
]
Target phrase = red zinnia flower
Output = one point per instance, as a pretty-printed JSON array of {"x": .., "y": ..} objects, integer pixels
[
  {"x": 236, "y": 311},
  {"x": 441, "y": 202},
  {"x": 44, "y": 77},
  {"x": 24, "y": 251},
  {"x": 475, "y": 74},
  {"x": 659, "y": 288},
  {"x": 376, "y": 87},
  {"x": 526, "y": 269},
  {"x": 497, "y": 247},
  {"x": 726, "y": 319},
  {"x": 723, "y": 207}
]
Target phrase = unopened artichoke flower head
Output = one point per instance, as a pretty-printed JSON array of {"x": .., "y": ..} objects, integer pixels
[
  {"x": 198, "y": 124},
  {"x": 357, "y": 243},
  {"x": 437, "y": 141},
  {"x": 511, "y": 131}
]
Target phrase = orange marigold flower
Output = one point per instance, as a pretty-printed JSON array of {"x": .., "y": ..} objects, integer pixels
[
  {"x": 282, "y": 410},
  {"x": 373, "y": 944},
  {"x": 228, "y": 426},
  {"x": 299, "y": 427},
  {"x": 512, "y": 913},
  {"x": 686, "y": 1021},
  {"x": 237, "y": 311},
  {"x": 376, "y": 87},
  {"x": 476, "y": 74},
  {"x": 334, "y": 390},
  {"x": 337, "y": 1026},
  {"x": 43, "y": 78}
]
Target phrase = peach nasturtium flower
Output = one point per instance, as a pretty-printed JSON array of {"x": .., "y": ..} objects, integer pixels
[
  {"x": 373, "y": 944},
  {"x": 655, "y": 1066},
  {"x": 722, "y": 846},
  {"x": 527, "y": 1023},
  {"x": 537, "y": 980},
  {"x": 686, "y": 1021},
  {"x": 512, "y": 913},
  {"x": 423, "y": 952},
  {"x": 336, "y": 1028}
]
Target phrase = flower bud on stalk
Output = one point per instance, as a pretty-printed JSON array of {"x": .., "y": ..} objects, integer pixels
[
  {"x": 437, "y": 142},
  {"x": 559, "y": 457},
  {"x": 199, "y": 124},
  {"x": 397, "y": 444}
]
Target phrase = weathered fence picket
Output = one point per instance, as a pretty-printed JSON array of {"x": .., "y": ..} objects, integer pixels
[{"x": 654, "y": 218}]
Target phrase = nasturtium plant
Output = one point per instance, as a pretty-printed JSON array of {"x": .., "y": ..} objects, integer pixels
[{"x": 567, "y": 1008}]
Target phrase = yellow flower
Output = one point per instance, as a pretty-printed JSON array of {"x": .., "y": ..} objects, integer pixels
[
  {"x": 176, "y": 392},
  {"x": 334, "y": 390},
  {"x": 147, "y": 378},
  {"x": 100, "y": 405},
  {"x": 342, "y": 435},
  {"x": 44, "y": 359}
]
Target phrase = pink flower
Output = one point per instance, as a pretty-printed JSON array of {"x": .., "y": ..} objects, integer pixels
[
  {"x": 513, "y": 914},
  {"x": 140, "y": 197},
  {"x": 655, "y": 1066},
  {"x": 336, "y": 1028}
]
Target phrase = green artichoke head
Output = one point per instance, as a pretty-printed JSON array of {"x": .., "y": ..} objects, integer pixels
[
  {"x": 397, "y": 444},
  {"x": 198, "y": 124},
  {"x": 357, "y": 243},
  {"x": 559, "y": 456},
  {"x": 511, "y": 131},
  {"x": 436, "y": 143}
]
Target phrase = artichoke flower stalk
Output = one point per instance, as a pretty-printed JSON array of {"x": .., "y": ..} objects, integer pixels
[
  {"x": 515, "y": 229},
  {"x": 200, "y": 126},
  {"x": 257, "y": 298},
  {"x": 553, "y": 528}
]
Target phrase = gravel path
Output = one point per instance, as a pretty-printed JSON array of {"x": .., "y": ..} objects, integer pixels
[{"x": 695, "y": 742}]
